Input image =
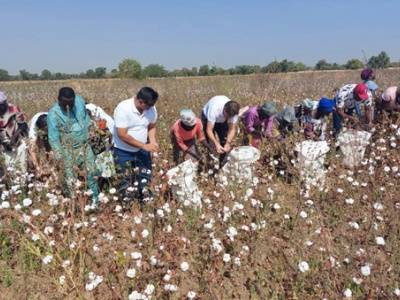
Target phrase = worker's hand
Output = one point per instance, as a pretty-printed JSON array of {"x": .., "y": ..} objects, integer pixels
[
  {"x": 219, "y": 149},
  {"x": 227, "y": 147},
  {"x": 151, "y": 147}
]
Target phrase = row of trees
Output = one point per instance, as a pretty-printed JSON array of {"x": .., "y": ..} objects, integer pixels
[{"x": 131, "y": 68}]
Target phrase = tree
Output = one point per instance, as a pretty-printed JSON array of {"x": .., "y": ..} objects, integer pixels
[
  {"x": 204, "y": 70},
  {"x": 46, "y": 75},
  {"x": 323, "y": 65},
  {"x": 4, "y": 76},
  {"x": 155, "y": 70},
  {"x": 272, "y": 67},
  {"x": 379, "y": 62},
  {"x": 129, "y": 68},
  {"x": 100, "y": 72},
  {"x": 90, "y": 73},
  {"x": 354, "y": 64},
  {"x": 25, "y": 75}
]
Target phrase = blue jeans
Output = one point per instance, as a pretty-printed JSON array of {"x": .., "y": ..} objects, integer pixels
[
  {"x": 338, "y": 120},
  {"x": 135, "y": 171}
]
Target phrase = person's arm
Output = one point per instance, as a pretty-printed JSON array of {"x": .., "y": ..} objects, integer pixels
[
  {"x": 268, "y": 123},
  {"x": 229, "y": 138},
  {"x": 33, "y": 156},
  {"x": 249, "y": 122},
  {"x": 150, "y": 147},
  {"x": 340, "y": 112},
  {"x": 368, "y": 115},
  {"x": 211, "y": 136},
  {"x": 208, "y": 146},
  {"x": 54, "y": 136}
]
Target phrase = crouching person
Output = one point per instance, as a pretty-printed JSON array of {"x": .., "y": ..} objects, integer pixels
[
  {"x": 183, "y": 136},
  {"x": 13, "y": 129}
]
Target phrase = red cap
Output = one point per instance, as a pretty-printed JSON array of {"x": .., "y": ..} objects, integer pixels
[{"x": 362, "y": 91}]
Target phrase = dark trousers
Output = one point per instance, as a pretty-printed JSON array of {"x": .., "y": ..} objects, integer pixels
[
  {"x": 221, "y": 129},
  {"x": 133, "y": 167}
]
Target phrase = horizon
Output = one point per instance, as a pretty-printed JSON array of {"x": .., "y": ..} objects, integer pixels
[{"x": 73, "y": 37}]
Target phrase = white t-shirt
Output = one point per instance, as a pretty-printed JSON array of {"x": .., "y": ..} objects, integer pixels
[
  {"x": 99, "y": 114},
  {"x": 32, "y": 126},
  {"x": 214, "y": 110},
  {"x": 126, "y": 115}
]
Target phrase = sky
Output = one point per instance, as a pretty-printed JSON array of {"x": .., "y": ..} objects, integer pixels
[{"x": 76, "y": 35}]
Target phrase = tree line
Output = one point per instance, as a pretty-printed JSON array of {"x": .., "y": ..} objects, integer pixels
[{"x": 132, "y": 68}]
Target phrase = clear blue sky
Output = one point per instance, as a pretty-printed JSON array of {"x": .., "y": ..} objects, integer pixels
[{"x": 76, "y": 35}]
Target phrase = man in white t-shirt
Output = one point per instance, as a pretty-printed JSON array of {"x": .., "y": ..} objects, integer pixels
[
  {"x": 134, "y": 139},
  {"x": 220, "y": 116},
  {"x": 38, "y": 138}
]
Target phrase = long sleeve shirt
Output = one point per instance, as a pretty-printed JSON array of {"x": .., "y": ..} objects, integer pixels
[{"x": 251, "y": 119}]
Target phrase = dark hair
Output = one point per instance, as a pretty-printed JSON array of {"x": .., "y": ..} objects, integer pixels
[
  {"x": 66, "y": 92},
  {"x": 148, "y": 95},
  {"x": 41, "y": 121},
  {"x": 232, "y": 108}
]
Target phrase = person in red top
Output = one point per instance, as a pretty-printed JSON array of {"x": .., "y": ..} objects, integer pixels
[
  {"x": 12, "y": 127},
  {"x": 183, "y": 136}
]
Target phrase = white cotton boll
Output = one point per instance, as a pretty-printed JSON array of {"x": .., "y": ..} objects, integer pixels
[
  {"x": 309, "y": 203},
  {"x": 184, "y": 266},
  {"x": 149, "y": 289},
  {"x": 35, "y": 237},
  {"x": 303, "y": 214},
  {"x": 26, "y": 202},
  {"x": 96, "y": 248},
  {"x": 17, "y": 207},
  {"x": 366, "y": 270},
  {"x": 135, "y": 295},
  {"x": 349, "y": 201},
  {"x": 191, "y": 295},
  {"x": 347, "y": 293},
  {"x": 61, "y": 280},
  {"x": 354, "y": 225},
  {"x": 380, "y": 241},
  {"x": 397, "y": 292},
  {"x": 145, "y": 233},
  {"x": 48, "y": 230},
  {"x": 179, "y": 212},
  {"x": 136, "y": 255},
  {"x": 89, "y": 286},
  {"x": 170, "y": 288},
  {"x": 378, "y": 206},
  {"x": 304, "y": 267},
  {"x": 339, "y": 190},
  {"x": 276, "y": 206},
  {"x": 131, "y": 273},
  {"x": 226, "y": 257},
  {"x": 47, "y": 259},
  {"x": 153, "y": 260},
  {"x": 137, "y": 219},
  {"x": 118, "y": 208},
  {"x": 357, "y": 281},
  {"x": 249, "y": 192},
  {"x": 237, "y": 261},
  {"x": 5, "y": 204}
]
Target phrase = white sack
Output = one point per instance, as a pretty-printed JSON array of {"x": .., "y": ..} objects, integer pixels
[
  {"x": 352, "y": 145},
  {"x": 240, "y": 163},
  {"x": 311, "y": 161},
  {"x": 181, "y": 179}
]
